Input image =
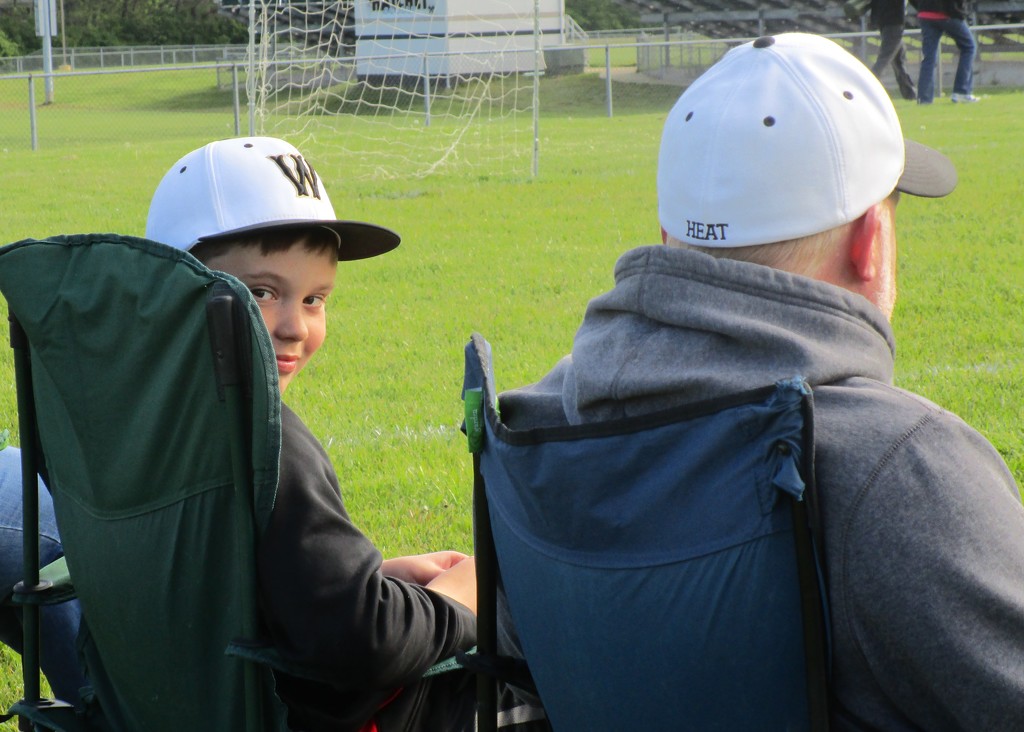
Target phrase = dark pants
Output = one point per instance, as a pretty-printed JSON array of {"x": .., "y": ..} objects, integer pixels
[
  {"x": 893, "y": 52},
  {"x": 447, "y": 703},
  {"x": 442, "y": 703},
  {"x": 931, "y": 33}
]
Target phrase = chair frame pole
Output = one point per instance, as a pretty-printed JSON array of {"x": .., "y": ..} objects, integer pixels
[
  {"x": 30, "y": 663},
  {"x": 811, "y": 601},
  {"x": 487, "y": 589}
]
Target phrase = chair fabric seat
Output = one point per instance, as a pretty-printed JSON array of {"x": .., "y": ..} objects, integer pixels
[{"x": 649, "y": 563}]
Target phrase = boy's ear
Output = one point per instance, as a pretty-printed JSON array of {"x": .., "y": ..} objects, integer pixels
[{"x": 863, "y": 244}]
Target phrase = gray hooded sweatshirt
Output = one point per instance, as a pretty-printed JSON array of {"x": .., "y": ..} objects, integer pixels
[{"x": 923, "y": 525}]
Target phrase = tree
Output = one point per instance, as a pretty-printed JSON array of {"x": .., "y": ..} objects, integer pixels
[
  {"x": 124, "y": 23},
  {"x": 601, "y": 14},
  {"x": 18, "y": 26},
  {"x": 8, "y": 47}
]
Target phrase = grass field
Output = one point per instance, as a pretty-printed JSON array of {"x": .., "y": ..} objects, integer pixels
[{"x": 517, "y": 258}]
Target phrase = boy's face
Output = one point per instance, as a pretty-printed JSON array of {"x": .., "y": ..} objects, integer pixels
[{"x": 291, "y": 288}]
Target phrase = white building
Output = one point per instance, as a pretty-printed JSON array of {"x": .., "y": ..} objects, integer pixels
[{"x": 452, "y": 37}]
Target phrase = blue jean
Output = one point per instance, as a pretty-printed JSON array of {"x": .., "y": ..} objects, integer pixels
[
  {"x": 59, "y": 623},
  {"x": 931, "y": 34}
]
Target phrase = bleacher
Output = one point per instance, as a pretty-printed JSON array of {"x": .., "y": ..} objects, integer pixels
[
  {"x": 741, "y": 18},
  {"x": 333, "y": 20},
  {"x": 750, "y": 18},
  {"x": 713, "y": 18}
]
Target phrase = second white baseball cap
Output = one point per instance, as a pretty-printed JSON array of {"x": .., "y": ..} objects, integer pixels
[
  {"x": 249, "y": 184},
  {"x": 785, "y": 137}
]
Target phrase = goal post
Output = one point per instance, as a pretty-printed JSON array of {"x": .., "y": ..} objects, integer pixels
[{"x": 403, "y": 88}]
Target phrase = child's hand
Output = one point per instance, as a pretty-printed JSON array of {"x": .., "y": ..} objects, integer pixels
[
  {"x": 420, "y": 569},
  {"x": 458, "y": 583}
]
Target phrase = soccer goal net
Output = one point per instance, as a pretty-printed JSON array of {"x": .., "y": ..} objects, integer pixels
[{"x": 401, "y": 88}]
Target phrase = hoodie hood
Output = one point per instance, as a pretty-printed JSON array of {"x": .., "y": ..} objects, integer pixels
[{"x": 682, "y": 327}]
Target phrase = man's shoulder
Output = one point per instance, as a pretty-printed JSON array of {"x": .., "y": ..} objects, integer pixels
[
  {"x": 884, "y": 407},
  {"x": 865, "y": 430}
]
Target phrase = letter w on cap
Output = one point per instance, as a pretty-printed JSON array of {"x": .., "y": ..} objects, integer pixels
[{"x": 300, "y": 173}]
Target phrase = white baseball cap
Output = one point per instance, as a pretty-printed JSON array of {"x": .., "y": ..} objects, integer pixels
[
  {"x": 784, "y": 137},
  {"x": 251, "y": 184}
]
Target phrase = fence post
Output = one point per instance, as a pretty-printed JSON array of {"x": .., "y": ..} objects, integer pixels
[
  {"x": 667, "y": 35},
  {"x": 32, "y": 112},
  {"x": 666, "y": 60},
  {"x": 426, "y": 92},
  {"x": 538, "y": 60},
  {"x": 608, "y": 79},
  {"x": 235, "y": 102}
]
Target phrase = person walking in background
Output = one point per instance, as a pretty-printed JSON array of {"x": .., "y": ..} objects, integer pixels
[
  {"x": 889, "y": 17},
  {"x": 938, "y": 17}
]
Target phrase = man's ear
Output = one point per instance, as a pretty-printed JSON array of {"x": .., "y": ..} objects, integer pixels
[
  {"x": 864, "y": 242},
  {"x": 664, "y": 235}
]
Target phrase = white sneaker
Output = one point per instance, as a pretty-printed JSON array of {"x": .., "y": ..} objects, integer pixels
[{"x": 964, "y": 98}]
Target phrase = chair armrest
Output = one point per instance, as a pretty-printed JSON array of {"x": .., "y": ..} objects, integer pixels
[{"x": 60, "y": 590}]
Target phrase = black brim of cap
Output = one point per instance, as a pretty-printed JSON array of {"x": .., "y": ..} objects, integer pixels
[
  {"x": 356, "y": 240},
  {"x": 926, "y": 172},
  {"x": 360, "y": 241}
]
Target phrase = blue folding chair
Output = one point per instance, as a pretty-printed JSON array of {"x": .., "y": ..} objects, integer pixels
[{"x": 659, "y": 570}]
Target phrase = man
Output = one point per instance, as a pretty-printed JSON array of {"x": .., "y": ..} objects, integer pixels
[
  {"x": 779, "y": 175},
  {"x": 889, "y": 17},
  {"x": 949, "y": 17}
]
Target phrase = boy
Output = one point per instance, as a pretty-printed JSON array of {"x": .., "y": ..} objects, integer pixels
[{"x": 256, "y": 209}]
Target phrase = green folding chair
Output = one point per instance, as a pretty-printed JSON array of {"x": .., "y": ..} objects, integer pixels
[{"x": 148, "y": 401}]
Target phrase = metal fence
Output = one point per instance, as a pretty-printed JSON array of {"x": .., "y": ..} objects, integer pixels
[
  {"x": 103, "y": 101},
  {"x": 98, "y": 57},
  {"x": 74, "y": 107},
  {"x": 681, "y": 58},
  {"x": 689, "y": 53}
]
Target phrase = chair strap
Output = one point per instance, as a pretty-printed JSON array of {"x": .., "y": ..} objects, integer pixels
[{"x": 812, "y": 600}]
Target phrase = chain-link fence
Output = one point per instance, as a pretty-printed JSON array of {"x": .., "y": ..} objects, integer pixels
[
  {"x": 132, "y": 95},
  {"x": 675, "y": 57},
  {"x": 98, "y": 57},
  {"x": 70, "y": 108}
]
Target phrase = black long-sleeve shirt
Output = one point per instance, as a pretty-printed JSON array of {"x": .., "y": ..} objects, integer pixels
[{"x": 327, "y": 606}]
